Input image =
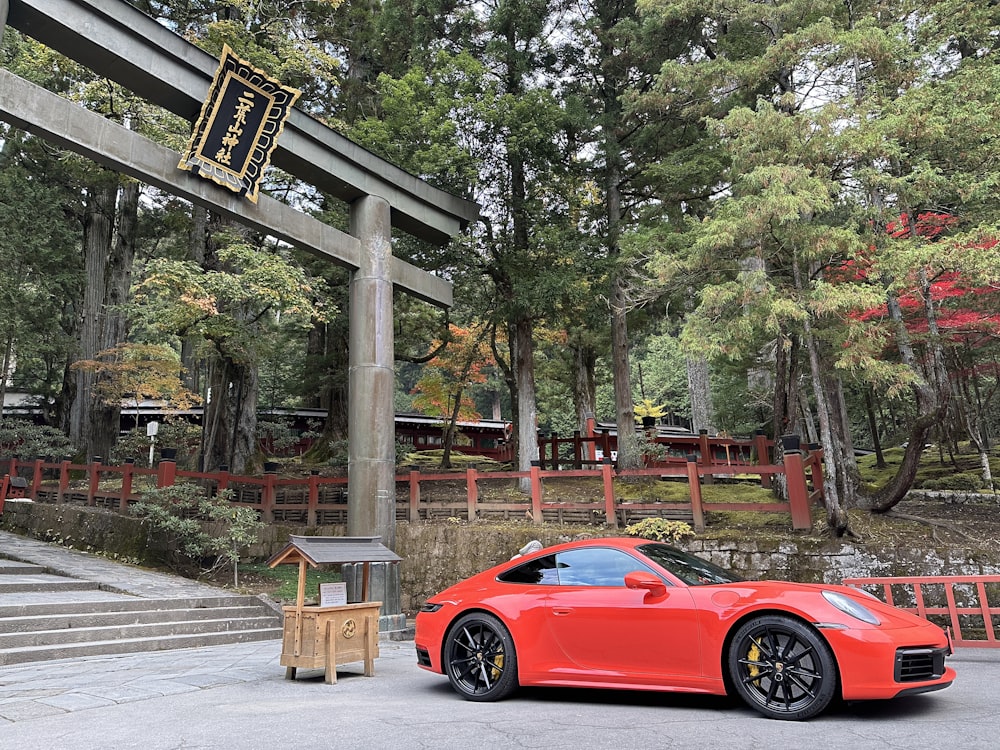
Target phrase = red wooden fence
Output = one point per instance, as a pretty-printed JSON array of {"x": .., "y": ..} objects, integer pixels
[
  {"x": 961, "y": 603},
  {"x": 323, "y": 500}
]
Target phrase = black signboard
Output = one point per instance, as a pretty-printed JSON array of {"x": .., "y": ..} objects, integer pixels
[{"x": 239, "y": 126}]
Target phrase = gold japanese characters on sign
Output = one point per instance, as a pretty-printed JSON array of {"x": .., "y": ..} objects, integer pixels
[{"x": 239, "y": 126}]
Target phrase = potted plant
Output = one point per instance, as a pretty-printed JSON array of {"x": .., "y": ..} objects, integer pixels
[{"x": 649, "y": 412}]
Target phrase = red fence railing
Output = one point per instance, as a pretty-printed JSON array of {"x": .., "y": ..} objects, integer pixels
[
  {"x": 968, "y": 605},
  {"x": 322, "y": 500}
]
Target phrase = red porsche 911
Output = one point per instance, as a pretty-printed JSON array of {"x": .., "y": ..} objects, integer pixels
[{"x": 640, "y": 615}]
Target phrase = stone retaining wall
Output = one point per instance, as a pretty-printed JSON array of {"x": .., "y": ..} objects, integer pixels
[{"x": 437, "y": 554}]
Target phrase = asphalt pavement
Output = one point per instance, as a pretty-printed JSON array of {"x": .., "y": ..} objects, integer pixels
[{"x": 236, "y": 697}]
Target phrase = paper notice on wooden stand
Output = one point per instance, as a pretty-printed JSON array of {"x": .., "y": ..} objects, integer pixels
[{"x": 332, "y": 594}]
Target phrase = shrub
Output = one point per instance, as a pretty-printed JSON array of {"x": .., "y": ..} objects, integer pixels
[
  {"x": 199, "y": 527},
  {"x": 965, "y": 482},
  {"x": 660, "y": 530},
  {"x": 23, "y": 440}
]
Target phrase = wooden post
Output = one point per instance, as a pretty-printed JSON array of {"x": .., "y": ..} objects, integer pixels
[
  {"x": 414, "y": 495},
  {"x": 371, "y": 644},
  {"x": 763, "y": 456},
  {"x": 63, "y": 481},
  {"x": 330, "y": 676},
  {"x": 313, "y": 502},
  {"x": 36, "y": 479},
  {"x": 267, "y": 498},
  {"x": 610, "y": 511},
  {"x": 126, "y": 487},
  {"x": 591, "y": 424},
  {"x": 222, "y": 481},
  {"x": 707, "y": 459},
  {"x": 798, "y": 493},
  {"x": 300, "y": 599},
  {"x": 471, "y": 493},
  {"x": 536, "y": 492},
  {"x": 95, "y": 477},
  {"x": 300, "y": 595},
  {"x": 166, "y": 472},
  {"x": 694, "y": 484}
]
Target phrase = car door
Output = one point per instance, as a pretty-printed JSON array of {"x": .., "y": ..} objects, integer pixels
[{"x": 604, "y": 627}]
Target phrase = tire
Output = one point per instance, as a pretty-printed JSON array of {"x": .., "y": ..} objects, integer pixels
[
  {"x": 479, "y": 658},
  {"x": 782, "y": 668}
]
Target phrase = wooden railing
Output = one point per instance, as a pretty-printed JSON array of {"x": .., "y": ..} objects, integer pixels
[
  {"x": 322, "y": 500},
  {"x": 961, "y": 603},
  {"x": 578, "y": 451}
]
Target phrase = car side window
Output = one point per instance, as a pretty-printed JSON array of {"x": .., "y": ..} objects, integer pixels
[
  {"x": 596, "y": 566},
  {"x": 541, "y": 570}
]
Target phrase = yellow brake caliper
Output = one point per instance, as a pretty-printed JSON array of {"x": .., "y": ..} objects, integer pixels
[
  {"x": 497, "y": 666},
  {"x": 753, "y": 656}
]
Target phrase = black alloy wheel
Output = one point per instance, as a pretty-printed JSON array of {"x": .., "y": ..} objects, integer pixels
[
  {"x": 782, "y": 668},
  {"x": 480, "y": 659}
]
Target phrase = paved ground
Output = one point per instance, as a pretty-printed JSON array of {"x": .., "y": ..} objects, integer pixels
[{"x": 236, "y": 697}]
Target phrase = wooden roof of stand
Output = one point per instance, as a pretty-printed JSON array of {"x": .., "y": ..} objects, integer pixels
[{"x": 331, "y": 550}]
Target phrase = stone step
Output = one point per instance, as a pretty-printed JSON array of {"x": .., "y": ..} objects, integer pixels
[
  {"x": 96, "y": 616},
  {"x": 134, "y": 645},
  {"x": 18, "y": 584},
  {"x": 151, "y": 631},
  {"x": 129, "y": 604},
  {"x": 13, "y": 567}
]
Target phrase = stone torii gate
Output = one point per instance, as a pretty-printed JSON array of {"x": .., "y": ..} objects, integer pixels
[{"x": 119, "y": 42}]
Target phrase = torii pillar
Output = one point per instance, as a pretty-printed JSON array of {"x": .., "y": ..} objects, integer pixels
[{"x": 371, "y": 460}]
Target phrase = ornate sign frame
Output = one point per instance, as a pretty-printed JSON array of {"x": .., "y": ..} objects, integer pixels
[{"x": 238, "y": 127}]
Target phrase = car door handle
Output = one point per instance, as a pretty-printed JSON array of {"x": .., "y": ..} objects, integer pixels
[{"x": 561, "y": 611}]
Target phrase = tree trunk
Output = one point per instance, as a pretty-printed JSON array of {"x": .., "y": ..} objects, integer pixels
[
  {"x": 197, "y": 244},
  {"x": 873, "y": 429},
  {"x": 629, "y": 447},
  {"x": 527, "y": 409},
  {"x": 700, "y": 392},
  {"x": 231, "y": 416},
  {"x": 584, "y": 384},
  {"x": 92, "y": 426},
  {"x": 836, "y": 517},
  {"x": 932, "y": 405}
]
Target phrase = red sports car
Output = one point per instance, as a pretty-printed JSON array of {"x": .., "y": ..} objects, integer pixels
[{"x": 641, "y": 615}]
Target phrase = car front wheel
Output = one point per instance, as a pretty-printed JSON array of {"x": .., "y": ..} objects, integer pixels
[
  {"x": 782, "y": 668},
  {"x": 480, "y": 659}
]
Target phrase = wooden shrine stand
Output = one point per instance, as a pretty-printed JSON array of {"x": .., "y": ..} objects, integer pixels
[{"x": 324, "y": 636}]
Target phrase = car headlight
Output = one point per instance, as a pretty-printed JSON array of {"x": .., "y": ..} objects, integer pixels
[
  {"x": 848, "y": 606},
  {"x": 428, "y": 607}
]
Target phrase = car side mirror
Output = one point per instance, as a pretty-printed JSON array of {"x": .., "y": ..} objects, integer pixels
[{"x": 640, "y": 579}]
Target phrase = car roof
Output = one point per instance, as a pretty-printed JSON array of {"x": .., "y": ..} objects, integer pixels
[{"x": 622, "y": 542}]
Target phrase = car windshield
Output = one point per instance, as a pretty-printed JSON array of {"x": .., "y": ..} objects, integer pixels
[{"x": 692, "y": 570}]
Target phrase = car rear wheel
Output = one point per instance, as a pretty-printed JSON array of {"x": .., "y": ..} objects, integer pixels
[
  {"x": 480, "y": 659},
  {"x": 782, "y": 668}
]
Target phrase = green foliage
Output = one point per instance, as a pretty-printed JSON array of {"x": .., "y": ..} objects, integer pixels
[
  {"x": 660, "y": 530},
  {"x": 199, "y": 528},
  {"x": 963, "y": 482},
  {"x": 172, "y": 433},
  {"x": 234, "y": 308},
  {"x": 277, "y": 433},
  {"x": 22, "y": 439}
]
